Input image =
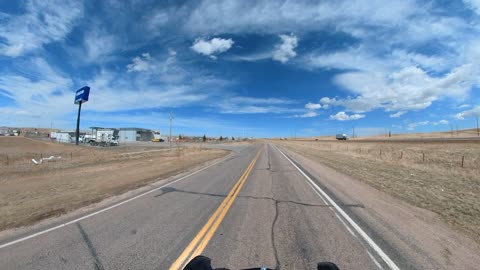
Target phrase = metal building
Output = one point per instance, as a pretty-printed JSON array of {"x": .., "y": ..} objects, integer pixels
[{"x": 135, "y": 134}]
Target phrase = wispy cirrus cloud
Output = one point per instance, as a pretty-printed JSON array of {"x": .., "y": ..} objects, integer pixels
[
  {"x": 140, "y": 63},
  {"x": 251, "y": 105},
  {"x": 475, "y": 112},
  {"x": 413, "y": 126},
  {"x": 43, "y": 22}
]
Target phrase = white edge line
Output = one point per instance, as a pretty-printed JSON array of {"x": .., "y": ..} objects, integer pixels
[
  {"x": 346, "y": 226},
  {"x": 374, "y": 260},
  {"x": 105, "y": 209},
  {"x": 357, "y": 228}
]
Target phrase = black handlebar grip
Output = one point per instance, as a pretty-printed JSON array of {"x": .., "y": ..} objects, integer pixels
[
  {"x": 199, "y": 263},
  {"x": 327, "y": 266}
]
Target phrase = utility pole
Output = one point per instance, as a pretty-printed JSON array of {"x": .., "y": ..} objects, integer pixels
[
  {"x": 353, "y": 132},
  {"x": 77, "y": 132},
  {"x": 170, "y": 140}
]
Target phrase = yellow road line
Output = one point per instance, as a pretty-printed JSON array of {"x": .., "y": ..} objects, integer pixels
[{"x": 201, "y": 240}]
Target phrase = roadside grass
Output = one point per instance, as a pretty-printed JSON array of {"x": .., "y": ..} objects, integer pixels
[
  {"x": 437, "y": 182},
  {"x": 32, "y": 193}
]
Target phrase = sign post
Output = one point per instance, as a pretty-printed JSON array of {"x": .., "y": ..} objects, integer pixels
[{"x": 81, "y": 96}]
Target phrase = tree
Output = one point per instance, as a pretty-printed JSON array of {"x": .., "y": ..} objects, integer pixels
[
  {"x": 233, "y": 138},
  {"x": 180, "y": 137},
  {"x": 204, "y": 138},
  {"x": 221, "y": 138}
]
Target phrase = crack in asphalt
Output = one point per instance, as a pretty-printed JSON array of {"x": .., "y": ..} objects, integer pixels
[
  {"x": 275, "y": 218},
  {"x": 93, "y": 252},
  {"x": 167, "y": 190},
  {"x": 272, "y": 235}
]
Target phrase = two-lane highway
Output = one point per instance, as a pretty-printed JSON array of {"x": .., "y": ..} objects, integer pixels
[{"x": 254, "y": 208}]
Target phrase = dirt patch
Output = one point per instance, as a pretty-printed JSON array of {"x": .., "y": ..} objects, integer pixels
[
  {"x": 426, "y": 175},
  {"x": 31, "y": 192}
]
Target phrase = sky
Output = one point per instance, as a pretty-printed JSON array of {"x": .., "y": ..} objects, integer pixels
[{"x": 242, "y": 68}]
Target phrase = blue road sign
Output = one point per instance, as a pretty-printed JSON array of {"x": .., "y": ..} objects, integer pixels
[{"x": 82, "y": 94}]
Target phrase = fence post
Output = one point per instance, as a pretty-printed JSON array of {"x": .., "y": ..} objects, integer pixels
[
  {"x": 463, "y": 160},
  {"x": 7, "y": 160},
  {"x": 401, "y": 154},
  {"x": 71, "y": 155},
  {"x": 423, "y": 156},
  {"x": 380, "y": 152}
]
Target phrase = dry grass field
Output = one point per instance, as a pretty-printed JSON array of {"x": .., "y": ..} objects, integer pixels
[
  {"x": 464, "y": 133},
  {"x": 427, "y": 175},
  {"x": 82, "y": 176}
]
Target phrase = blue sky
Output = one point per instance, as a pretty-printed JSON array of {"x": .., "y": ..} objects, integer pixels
[{"x": 259, "y": 68}]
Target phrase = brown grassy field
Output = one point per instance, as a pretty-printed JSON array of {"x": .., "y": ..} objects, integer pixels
[
  {"x": 427, "y": 175},
  {"x": 84, "y": 175},
  {"x": 464, "y": 133}
]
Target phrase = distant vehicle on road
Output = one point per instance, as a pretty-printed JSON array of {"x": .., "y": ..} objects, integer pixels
[
  {"x": 341, "y": 137},
  {"x": 157, "y": 137}
]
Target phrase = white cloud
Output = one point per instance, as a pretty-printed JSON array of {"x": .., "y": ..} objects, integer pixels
[
  {"x": 250, "y": 105},
  {"x": 43, "y": 94},
  {"x": 342, "y": 116},
  {"x": 286, "y": 50},
  {"x": 157, "y": 20},
  {"x": 306, "y": 115},
  {"x": 37, "y": 99},
  {"x": 327, "y": 102},
  {"x": 475, "y": 112},
  {"x": 257, "y": 56},
  {"x": 411, "y": 88},
  {"x": 43, "y": 22},
  {"x": 140, "y": 63},
  {"x": 412, "y": 126},
  {"x": 397, "y": 114},
  {"x": 212, "y": 47},
  {"x": 164, "y": 68},
  {"x": 99, "y": 45},
  {"x": 463, "y": 106},
  {"x": 273, "y": 16},
  {"x": 312, "y": 106},
  {"x": 441, "y": 122},
  {"x": 473, "y": 4}
]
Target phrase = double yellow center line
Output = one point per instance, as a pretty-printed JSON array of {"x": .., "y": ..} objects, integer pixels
[{"x": 201, "y": 240}]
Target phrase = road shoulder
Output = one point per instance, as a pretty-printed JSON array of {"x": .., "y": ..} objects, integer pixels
[
  {"x": 419, "y": 235},
  {"x": 45, "y": 224}
]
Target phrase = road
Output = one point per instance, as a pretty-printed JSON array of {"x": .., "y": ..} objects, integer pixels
[{"x": 253, "y": 208}]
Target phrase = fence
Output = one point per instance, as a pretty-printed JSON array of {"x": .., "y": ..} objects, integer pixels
[{"x": 428, "y": 155}]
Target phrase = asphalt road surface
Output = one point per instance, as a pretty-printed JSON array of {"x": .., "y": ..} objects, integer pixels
[{"x": 253, "y": 208}]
